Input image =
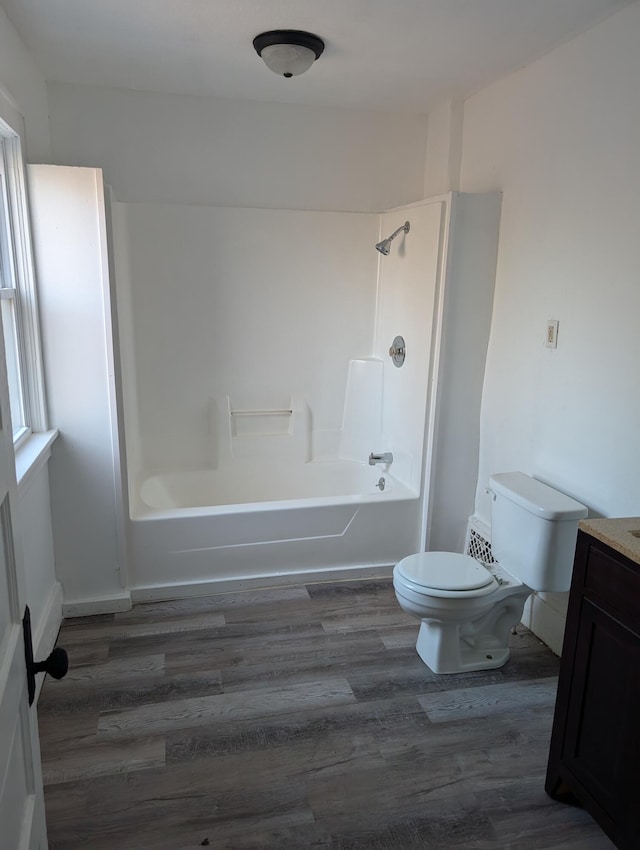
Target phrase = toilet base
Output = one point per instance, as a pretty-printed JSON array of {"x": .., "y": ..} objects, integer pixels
[
  {"x": 444, "y": 650},
  {"x": 466, "y": 632}
]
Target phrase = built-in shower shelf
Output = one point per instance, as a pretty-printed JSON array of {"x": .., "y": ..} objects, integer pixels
[
  {"x": 264, "y": 431},
  {"x": 283, "y": 412}
]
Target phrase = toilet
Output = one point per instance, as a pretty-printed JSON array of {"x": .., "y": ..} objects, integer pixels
[{"x": 467, "y": 609}]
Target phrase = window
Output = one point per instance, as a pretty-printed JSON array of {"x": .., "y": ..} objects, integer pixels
[{"x": 18, "y": 309}]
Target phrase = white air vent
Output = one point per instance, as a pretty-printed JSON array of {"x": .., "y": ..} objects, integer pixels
[{"x": 478, "y": 543}]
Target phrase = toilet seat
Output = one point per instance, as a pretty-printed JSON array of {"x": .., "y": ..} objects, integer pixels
[{"x": 444, "y": 574}]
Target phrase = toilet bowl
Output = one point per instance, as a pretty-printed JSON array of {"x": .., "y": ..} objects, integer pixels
[{"x": 467, "y": 609}]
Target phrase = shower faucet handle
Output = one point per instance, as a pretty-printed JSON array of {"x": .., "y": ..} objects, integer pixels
[{"x": 398, "y": 351}]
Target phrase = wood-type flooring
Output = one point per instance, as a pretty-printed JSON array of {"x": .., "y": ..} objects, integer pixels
[{"x": 293, "y": 718}]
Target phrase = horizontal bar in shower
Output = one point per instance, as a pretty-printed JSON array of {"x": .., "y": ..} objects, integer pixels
[{"x": 282, "y": 412}]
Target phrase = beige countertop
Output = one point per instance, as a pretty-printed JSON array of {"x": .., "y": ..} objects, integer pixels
[{"x": 621, "y": 534}]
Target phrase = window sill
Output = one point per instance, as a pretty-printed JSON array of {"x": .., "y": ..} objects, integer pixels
[{"x": 32, "y": 455}]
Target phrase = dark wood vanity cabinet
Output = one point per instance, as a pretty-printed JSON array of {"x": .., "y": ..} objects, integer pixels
[{"x": 594, "y": 758}]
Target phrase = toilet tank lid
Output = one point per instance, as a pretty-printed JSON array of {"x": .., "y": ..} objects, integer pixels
[{"x": 536, "y": 497}]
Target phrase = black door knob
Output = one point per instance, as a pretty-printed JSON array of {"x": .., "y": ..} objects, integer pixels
[{"x": 55, "y": 665}]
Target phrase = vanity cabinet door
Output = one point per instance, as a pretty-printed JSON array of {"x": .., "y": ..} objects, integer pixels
[
  {"x": 595, "y": 744},
  {"x": 601, "y": 742}
]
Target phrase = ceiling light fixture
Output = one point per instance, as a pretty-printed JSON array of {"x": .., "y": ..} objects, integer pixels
[{"x": 288, "y": 52}]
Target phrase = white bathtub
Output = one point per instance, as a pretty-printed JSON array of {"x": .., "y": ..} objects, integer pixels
[
  {"x": 241, "y": 486},
  {"x": 198, "y": 531}
]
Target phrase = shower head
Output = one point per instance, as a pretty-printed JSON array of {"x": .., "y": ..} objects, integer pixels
[{"x": 385, "y": 246}]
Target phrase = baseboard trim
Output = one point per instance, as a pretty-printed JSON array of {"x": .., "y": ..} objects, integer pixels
[
  {"x": 177, "y": 590},
  {"x": 101, "y": 605}
]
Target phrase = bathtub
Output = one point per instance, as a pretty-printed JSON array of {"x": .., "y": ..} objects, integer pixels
[{"x": 194, "y": 532}]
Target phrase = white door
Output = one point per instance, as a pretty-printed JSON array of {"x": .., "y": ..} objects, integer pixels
[{"x": 22, "y": 820}]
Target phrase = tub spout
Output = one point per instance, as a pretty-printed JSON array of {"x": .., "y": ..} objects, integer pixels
[{"x": 385, "y": 457}]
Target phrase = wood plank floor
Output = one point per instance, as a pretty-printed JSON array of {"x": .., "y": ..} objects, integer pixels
[{"x": 292, "y": 718}]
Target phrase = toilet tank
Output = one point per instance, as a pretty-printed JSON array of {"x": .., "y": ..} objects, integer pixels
[{"x": 533, "y": 530}]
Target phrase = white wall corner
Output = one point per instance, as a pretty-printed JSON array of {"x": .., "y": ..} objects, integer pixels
[
  {"x": 456, "y": 129},
  {"x": 443, "y": 158},
  {"x": 23, "y": 90},
  {"x": 425, "y": 169}
]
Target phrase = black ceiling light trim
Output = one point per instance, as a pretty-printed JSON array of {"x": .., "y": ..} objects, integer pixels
[
  {"x": 282, "y": 61},
  {"x": 299, "y": 37}
]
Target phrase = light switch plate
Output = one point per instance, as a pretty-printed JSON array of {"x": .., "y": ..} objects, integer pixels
[{"x": 551, "y": 336}]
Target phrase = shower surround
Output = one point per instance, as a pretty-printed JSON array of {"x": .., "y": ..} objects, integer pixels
[{"x": 257, "y": 381}]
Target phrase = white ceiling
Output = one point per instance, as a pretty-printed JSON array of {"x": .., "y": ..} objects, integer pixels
[{"x": 394, "y": 55}]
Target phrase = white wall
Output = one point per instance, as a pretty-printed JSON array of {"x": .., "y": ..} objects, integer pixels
[
  {"x": 257, "y": 304},
  {"x": 561, "y": 140},
  {"x": 470, "y": 268},
  {"x": 156, "y": 148},
  {"x": 71, "y": 256},
  {"x": 24, "y": 85},
  {"x": 444, "y": 149}
]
